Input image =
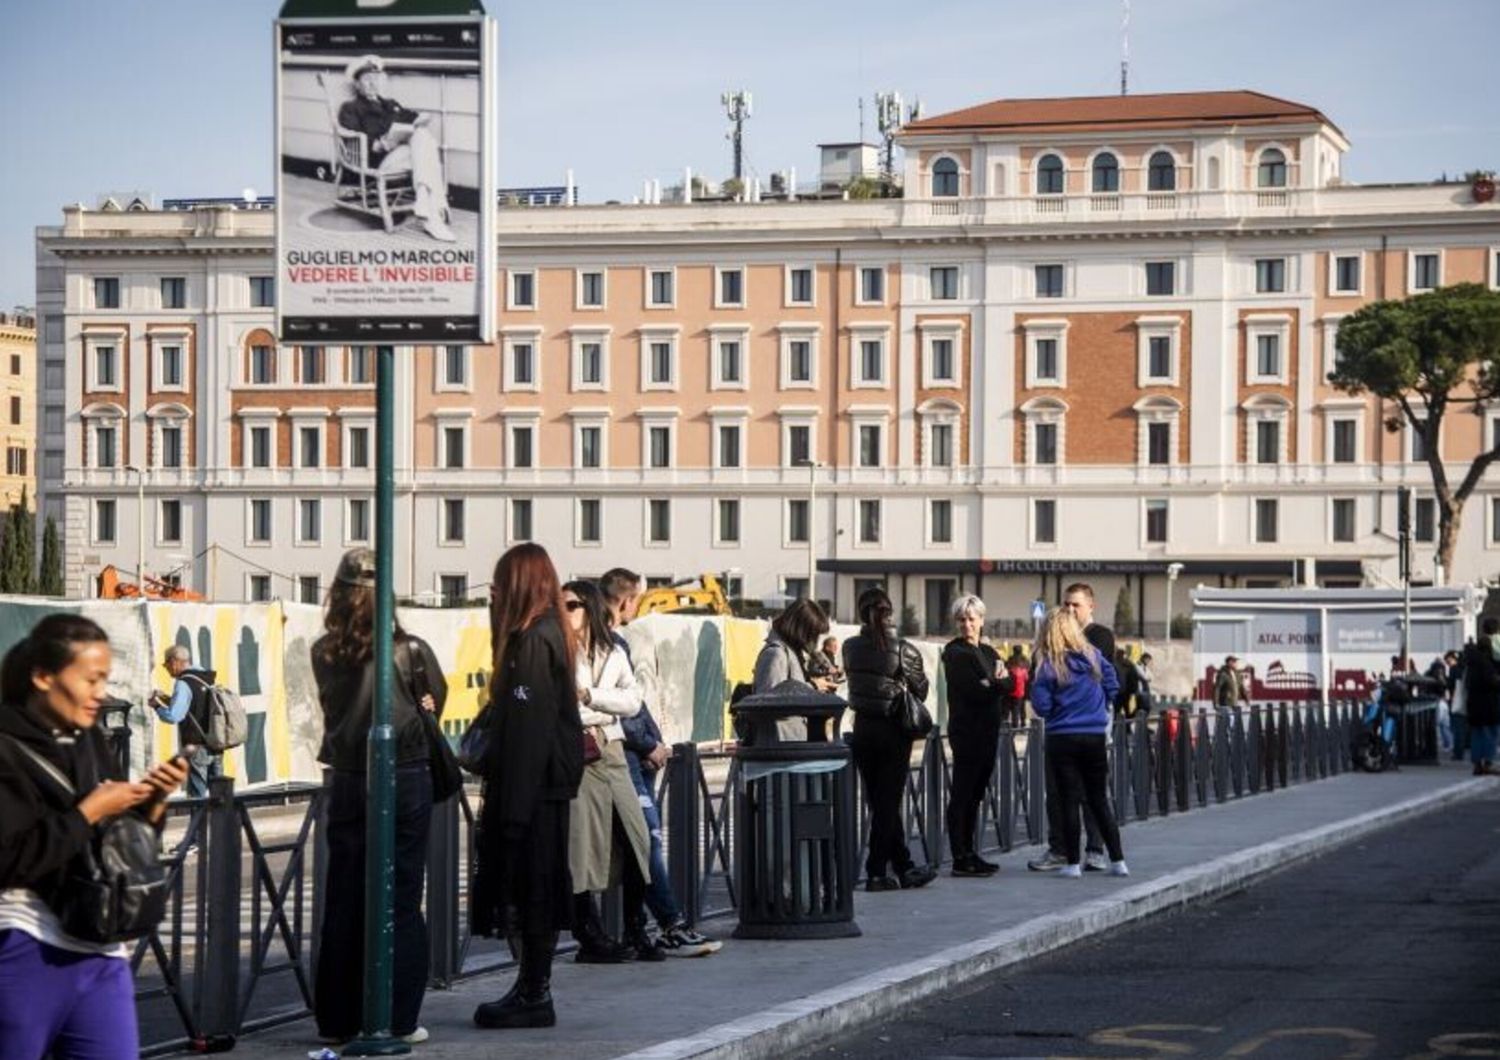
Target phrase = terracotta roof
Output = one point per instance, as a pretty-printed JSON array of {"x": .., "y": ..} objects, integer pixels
[{"x": 1104, "y": 113}]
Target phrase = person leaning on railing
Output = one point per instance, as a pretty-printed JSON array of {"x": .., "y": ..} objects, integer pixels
[
  {"x": 978, "y": 688},
  {"x": 61, "y": 996}
]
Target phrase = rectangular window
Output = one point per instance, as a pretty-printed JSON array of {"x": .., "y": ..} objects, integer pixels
[
  {"x": 1161, "y": 277},
  {"x": 15, "y": 460},
  {"x": 171, "y": 447},
  {"x": 659, "y": 522},
  {"x": 455, "y": 366},
  {"x": 171, "y": 366},
  {"x": 1045, "y": 435},
  {"x": 1344, "y": 432},
  {"x": 942, "y": 361},
  {"x": 260, "y": 588},
  {"x": 1044, "y": 522},
  {"x": 869, "y": 445},
  {"x": 359, "y": 519},
  {"x": 309, "y": 447},
  {"x": 1343, "y": 519},
  {"x": 1049, "y": 281},
  {"x": 872, "y": 360},
  {"x": 521, "y": 519},
  {"x": 262, "y": 365},
  {"x": 872, "y": 284},
  {"x": 171, "y": 521},
  {"x": 106, "y": 292},
  {"x": 729, "y": 446},
  {"x": 362, "y": 365},
  {"x": 309, "y": 589},
  {"x": 1268, "y": 356},
  {"x": 591, "y": 363},
  {"x": 309, "y": 520},
  {"x": 590, "y": 521},
  {"x": 104, "y": 522},
  {"x": 15, "y": 364},
  {"x": 1270, "y": 275},
  {"x": 521, "y": 439},
  {"x": 729, "y": 522},
  {"x": 310, "y": 358},
  {"x": 944, "y": 279},
  {"x": 1424, "y": 520},
  {"x": 104, "y": 447},
  {"x": 796, "y": 522},
  {"x": 799, "y": 286},
  {"x": 262, "y": 291},
  {"x": 260, "y": 521},
  {"x": 522, "y": 364},
  {"x": 1495, "y": 520},
  {"x": 104, "y": 366},
  {"x": 1156, "y": 522},
  {"x": 942, "y": 522},
  {"x": 1046, "y": 360},
  {"x": 1159, "y": 357},
  {"x": 730, "y": 370},
  {"x": 661, "y": 363},
  {"x": 453, "y": 520},
  {"x": 15, "y": 409},
  {"x": 1426, "y": 272},
  {"x": 591, "y": 290},
  {"x": 869, "y": 522},
  {"x": 1159, "y": 443},
  {"x": 359, "y": 447},
  {"x": 940, "y": 436},
  {"x": 452, "y": 588},
  {"x": 1346, "y": 274},
  {"x": 799, "y": 357},
  {"x": 660, "y": 288},
  {"x": 453, "y": 447},
  {"x": 731, "y": 287},
  {"x": 799, "y": 445},
  {"x": 523, "y": 290},
  {"x": 659, "y": 443},
  {"x": 1416, "y": 432},
  {"x": 1267, "y": 441},
  {"x": 1266, "y": 528},
  {"x": 173, "y": 292},
  {"x": 590, "y": 447}
]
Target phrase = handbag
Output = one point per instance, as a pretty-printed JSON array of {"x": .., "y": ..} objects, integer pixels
[
  {"x": 474, "y": 744},
  {"x": 593, "y": 746},
  {"x": 116, "y": 889},
  {"x": 911, "y": 713},
  {"x": 447, "y": 778}
]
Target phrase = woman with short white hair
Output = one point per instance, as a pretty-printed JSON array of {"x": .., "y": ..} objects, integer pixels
[{"x": 978, "y": 686}]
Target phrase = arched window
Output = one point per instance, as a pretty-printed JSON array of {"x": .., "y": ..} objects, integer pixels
[
  {"x": 944, "y": 178},
  {"x": 1106, "y": 172},
  {"x": 1272, "y": 170},
  {"x": 1161, "y": 172},
  {"x": 1049, "y": 176}
]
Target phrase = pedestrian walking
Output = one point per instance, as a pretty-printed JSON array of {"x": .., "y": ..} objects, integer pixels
[
  {"x": 1019, "y": 668},
  {"x": 1145, "y": 676},
  {"x": 1072, "y": 690},
  {"x": 187, "y": 708},
  {"x": 1458, "y": 705},
  {"x": 978, "y": 687},
  {"x": 1482, "y": 695},
  {"x": 62, "y": 996},
  {"x": 607, "y": 838},
  {"x": 522, "y": 887},
  {"x": 1130, "y": 684},
  {"x": 343, "y": 665},
  {"x": 1229, "y": 685},
  {"x": 880, "y": 669}
]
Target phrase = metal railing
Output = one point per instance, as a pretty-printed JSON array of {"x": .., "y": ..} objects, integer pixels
[{"x": 237, "y": 950}]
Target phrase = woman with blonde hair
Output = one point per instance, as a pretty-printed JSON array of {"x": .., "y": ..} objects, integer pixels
[{"x": 1073, "y": 685}]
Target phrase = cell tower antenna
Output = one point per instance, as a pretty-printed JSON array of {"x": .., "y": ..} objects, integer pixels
[
  {"x": 1125, "y": 48},
  {"x": 737, "y": 106}
]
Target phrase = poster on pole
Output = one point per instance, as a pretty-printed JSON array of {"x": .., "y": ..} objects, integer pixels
[{"x": 385, "y": 180}]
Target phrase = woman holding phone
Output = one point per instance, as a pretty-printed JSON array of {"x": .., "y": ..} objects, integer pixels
[{"x": 59, "y": 995}]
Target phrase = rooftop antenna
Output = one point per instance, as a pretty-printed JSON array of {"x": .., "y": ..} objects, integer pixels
[
  {"x": 861, "y": 119},
  {"x": 1125, "y": 48},
  {"x": 737, "y": 106}
]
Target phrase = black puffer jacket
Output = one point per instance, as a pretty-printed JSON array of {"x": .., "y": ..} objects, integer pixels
[{"x": 877, "y": 676}]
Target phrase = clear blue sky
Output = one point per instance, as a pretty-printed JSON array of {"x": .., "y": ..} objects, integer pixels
[{"x": 174, "y": 96}]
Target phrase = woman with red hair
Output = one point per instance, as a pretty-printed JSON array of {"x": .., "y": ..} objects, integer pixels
[{"x": 523, "y": 889}]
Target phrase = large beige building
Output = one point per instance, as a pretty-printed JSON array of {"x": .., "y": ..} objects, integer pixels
[
  {"x": 1090, "y": 341},
  {"x": 18, "y": 365}
]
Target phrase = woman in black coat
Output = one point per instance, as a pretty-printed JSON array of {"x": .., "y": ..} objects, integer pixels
[
  {"x": 523, "y": 889},
  {"x": 978, "y": 689},
  {"x": 879, "y": 668}
]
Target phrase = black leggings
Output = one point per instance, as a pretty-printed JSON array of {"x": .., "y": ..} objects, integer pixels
[
  {"x": 882, "y": 753},
  {"x": 1079, "y": 764},
  {"x": 974, "y": 743}
]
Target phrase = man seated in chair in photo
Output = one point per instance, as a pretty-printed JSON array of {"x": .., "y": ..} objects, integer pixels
[{"x": 399, "y": 139}]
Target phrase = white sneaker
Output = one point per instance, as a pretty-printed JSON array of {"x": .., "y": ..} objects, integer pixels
[
  {"x": 1117, "y": 868},
  {"x": 1093, "y": 861},
  {"x": 416, "y": 1037},
  {"x": 1070, "y": 872},
  {"x": 439, "y": 230}
]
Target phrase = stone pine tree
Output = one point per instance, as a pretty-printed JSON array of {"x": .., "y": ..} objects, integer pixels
[
  {"x": 51, "y": 581},
  {"x": 1433, "y": 355},
  {"x": 18, "y": 550},
  {"x": 1124, "y": 612}
]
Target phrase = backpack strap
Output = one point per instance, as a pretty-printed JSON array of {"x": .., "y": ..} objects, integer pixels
[{"x": 57, "y": 776}]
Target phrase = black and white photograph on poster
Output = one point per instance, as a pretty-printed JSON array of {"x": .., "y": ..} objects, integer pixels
[{"x": 382, "y": 181}]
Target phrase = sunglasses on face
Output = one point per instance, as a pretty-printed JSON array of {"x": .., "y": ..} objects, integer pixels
[{"x": 573, "y": 605}]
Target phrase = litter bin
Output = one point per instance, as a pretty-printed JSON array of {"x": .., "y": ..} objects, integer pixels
[
  {"x": 794, "y": 819},
  {"x": 114, "y": 719},
  {"x": 1415, "y": 700}
]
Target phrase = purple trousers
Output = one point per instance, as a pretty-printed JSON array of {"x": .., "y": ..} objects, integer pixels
[{"x": 71, "y": 1006}]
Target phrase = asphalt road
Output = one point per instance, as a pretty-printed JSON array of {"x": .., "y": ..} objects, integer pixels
[{"x": 1387, "y": 948}]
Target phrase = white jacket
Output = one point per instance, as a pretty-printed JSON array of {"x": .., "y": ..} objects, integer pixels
[{"x": 613, "y": 693}]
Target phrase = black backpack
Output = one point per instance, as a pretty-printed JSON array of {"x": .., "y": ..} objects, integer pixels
[{"x": 116, "y": 889}]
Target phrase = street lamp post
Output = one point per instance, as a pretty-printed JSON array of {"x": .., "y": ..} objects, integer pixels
[
  {"x": 812, "y": 522},
  {"x": 140, "y": 527},
  {"x": 1173, "y": 570}
]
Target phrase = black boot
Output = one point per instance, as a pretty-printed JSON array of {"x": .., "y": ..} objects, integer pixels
[
  {"x": 594, "y": 946},
  {"x": 529, "y": 1001},
  {"x": 640, "y": 940}
]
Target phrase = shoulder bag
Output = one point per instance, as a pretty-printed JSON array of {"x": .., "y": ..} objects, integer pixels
[
  {"x": 447, "y": 778},
  {"x": 911, "y": 713}
]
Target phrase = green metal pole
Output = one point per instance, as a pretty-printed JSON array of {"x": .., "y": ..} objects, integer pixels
[{"x": 380, "y": 819}]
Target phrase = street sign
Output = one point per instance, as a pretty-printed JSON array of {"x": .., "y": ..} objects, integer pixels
[{"x": 1038, "y": 610}]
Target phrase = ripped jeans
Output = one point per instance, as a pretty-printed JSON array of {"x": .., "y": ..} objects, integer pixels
[{"x": 659, "y": 897}]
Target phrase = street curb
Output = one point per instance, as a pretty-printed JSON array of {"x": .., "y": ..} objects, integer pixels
[{"x": 805, "y": 1022}]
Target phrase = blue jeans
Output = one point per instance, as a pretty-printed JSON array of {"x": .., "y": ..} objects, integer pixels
[
  {"x": 203, "y": 766},
  {"x": 1482, "y": 743},
  {"x": 659, "y": 897}
]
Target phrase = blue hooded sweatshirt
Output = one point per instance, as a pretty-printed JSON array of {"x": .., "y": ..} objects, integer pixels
[{"x": 1081, "y": 706}]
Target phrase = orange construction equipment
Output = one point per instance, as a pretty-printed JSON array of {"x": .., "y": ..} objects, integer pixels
[{"x": 112, "y": 587}]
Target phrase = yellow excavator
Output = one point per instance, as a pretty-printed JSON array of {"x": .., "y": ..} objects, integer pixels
[{"x": 703, "y": 595}]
